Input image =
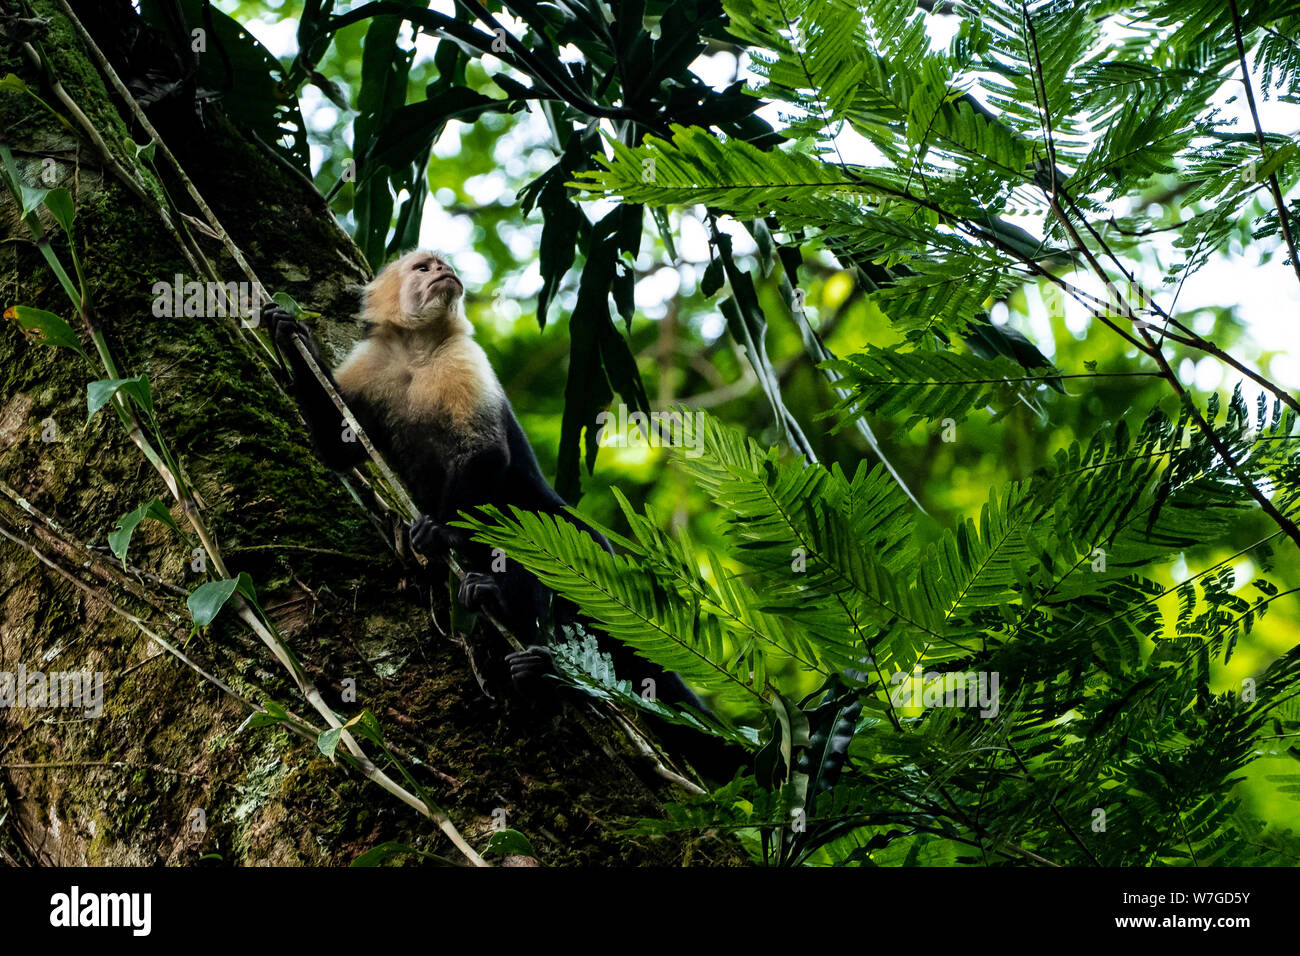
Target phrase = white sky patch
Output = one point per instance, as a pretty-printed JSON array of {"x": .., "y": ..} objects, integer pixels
[
  {"x": 712, "y": 326},
  {"x": 486, "y": 188},
  {"x": 277, "y": 34},
  {"x": 657, "y": 288},
  {"x": 570, "y": 54},
  {"x": 318, "y": 113},
  {"x": 718, "y": 70},
  {"x": 472, "y": 266},
  {"x": 529, "y": 283},
  {"x": 521, "y": 241},
  {"x": 692, "y": 239}
]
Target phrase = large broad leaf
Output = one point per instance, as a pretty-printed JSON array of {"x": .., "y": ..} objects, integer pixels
[
  {"x": 385, "y": 66},
  {"x": 831, "y": 727},
  {"x": 562, "y": 220},
  {"x": 413, "y": 128},
  {"x": 314, "y": 39},
  {"x": 775, "y": 761},
  {"x": 400, "y": 151},
  {"x": 59, "y": 203},
  {"x": 600, "y": 359},
  {"x": 33, "y": 198}
]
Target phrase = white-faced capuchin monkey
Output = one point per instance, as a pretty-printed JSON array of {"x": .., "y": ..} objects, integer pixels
[{"x": 424, "y": 392}]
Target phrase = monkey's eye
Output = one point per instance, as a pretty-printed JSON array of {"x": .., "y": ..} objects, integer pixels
[{"x": 422, "y": 268}]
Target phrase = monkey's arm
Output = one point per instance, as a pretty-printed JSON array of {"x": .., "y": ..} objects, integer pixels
[{"x": 328, "y": 429}]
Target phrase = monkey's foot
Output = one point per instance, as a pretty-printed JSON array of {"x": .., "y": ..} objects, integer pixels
[{"x": 529, "y": 666}]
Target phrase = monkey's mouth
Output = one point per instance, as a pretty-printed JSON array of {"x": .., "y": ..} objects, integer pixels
[{"x": 434, "y": 295}]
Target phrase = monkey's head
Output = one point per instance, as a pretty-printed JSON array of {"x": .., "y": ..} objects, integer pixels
[{"x": 419, "y": 291}]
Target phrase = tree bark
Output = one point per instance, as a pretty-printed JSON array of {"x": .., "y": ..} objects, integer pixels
[{"x": 169, "y": 773}]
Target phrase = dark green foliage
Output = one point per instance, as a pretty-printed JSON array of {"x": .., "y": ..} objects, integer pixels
[
  {"x": 232, "y": 67},
  {"x": 1045, "y": 592},
  {"x": 1063, "y": 707}
]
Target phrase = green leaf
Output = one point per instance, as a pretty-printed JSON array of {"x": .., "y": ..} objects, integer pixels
[
  {"x": 561, "y": 218},
  {"x": 832, "y": 725},
  {"x": 33, "y": 199},
  {"x": 328, "y": 741},
  {"x": 59, "y": 202},
  {"x": 713, "y": 278},
  {"x": 119, "y": 540},
  {"x": 287, "y": 302},
  {"x": 333, "y": 92},
  {"x": 383, "y": 852},
  {"x": 913, "y": 386},
  {"x": 274, "y": 714},
  {"x": 208, "y": 599},
  {"x": 633, "y": 607},
  {"x": 366, "y": 726},
  {"x": 100, "y": 392},
  {"x": 599, "y": 355},
  {"x": 509, "y": 843},
  {"x": 660, "y": 216},
  {"x": 45, "y": 328},
  {"x": 262, "y": 103}
]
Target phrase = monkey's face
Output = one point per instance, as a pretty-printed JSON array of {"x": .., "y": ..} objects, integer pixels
[
  {"x": 430, "y": 287},
  {"x": 418, "y": 290}
]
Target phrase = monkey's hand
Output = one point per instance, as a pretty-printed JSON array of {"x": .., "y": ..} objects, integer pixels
[
  {"x": 284, "y": 328},
  {"x": 529, "y": 666},
  {"x": 432, "y": 539}
]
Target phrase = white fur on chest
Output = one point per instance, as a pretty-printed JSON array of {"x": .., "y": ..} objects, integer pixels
[{"x": 452, "y": 382}]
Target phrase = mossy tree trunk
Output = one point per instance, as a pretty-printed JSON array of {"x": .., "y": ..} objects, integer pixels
[{"x": 169, "y": 773}]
